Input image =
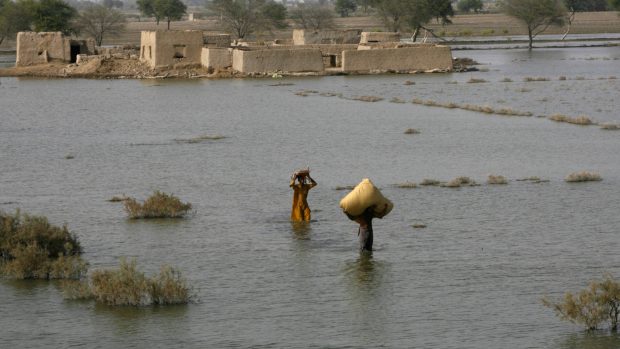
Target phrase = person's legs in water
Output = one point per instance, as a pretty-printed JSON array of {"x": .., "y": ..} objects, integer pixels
[{"x": 365, "y": 238}]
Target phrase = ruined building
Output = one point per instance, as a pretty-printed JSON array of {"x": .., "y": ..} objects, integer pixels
[{"x": 39, "y": 48}]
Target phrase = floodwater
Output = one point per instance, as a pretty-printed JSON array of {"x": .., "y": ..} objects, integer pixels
[{"x": 473, "y": 278}]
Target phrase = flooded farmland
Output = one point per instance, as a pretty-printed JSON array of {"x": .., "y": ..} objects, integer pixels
[{"x": 472, "y": 277}]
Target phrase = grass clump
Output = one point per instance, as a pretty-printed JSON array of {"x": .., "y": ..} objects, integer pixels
[
  {"x": 492, "y": 179},
  {"x": 200, "y": 139},
  {"x": 460, "y": 182},
  {"x": 397, "y": 100},
  {"x": 592, "y": 306},
  {"x": 430, "y": 182},
  {"x": 535, "y": 78},
  {"x": 411, "y": 131},
  {"x": 32, "y": 248},
  {"x": 610, "y": 127},
  {"x": 476, "y": 81},
  {"x": 583, "y": 176},
  {"x": 158, "y": 205},
  {"x": 579, "y": 120},
  {"x": 368, "y": 98},
  {"x": 129, "y": 286},
  {"x": 406, "y": 185},
  {"x": 506, "y": 80},
  {"x": 117, "y": 198}
]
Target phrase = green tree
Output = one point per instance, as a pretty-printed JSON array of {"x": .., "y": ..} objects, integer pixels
[
  {"x": 147, "y": 8},
  {"x": 537, "y": 15},
  {"x": 469, "y": 5},
  {"x": 312, "y": 16},
  {"x": 14, "y": 17},
  {"x": 98, "y": 21},
  {"x": 413, "y": 14},
  {"x": 344, "y": 7},
  {"x": 170, "y": 10},
  {"x": 275, "y": 13},
  {"x": 52, "y": 16},
  {"x": 615, "y": 4},
  {"x": 243, "y": 17}
]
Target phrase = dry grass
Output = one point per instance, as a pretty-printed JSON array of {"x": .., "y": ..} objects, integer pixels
[
  {"x": 117, "y": 198},
  {"x": 533, "y": 179},
  {"x": 159, "y": 205},
  {"x": 406, "y": 185},
  {"x": 430, "y": 182},
  {"x": 397, "y": 100},
  {"x": 460, "y": 182},
  {"x": 371, "y": 99},
  {"x": 579, "y": 120},
  {"x": 609, "y": 126},
  {"x": 31, "y": 248},
  {"x": 506, "y": 80},
  {"x": 411, "y": 131},
  {"x": 418, "y": 226},
  {"x": 476, "y": 81},
  {"x": 492, "y": 179},
  {"x": 129, "y": 286},
  {"x": 199, "y": 139},
  {"x": 583, "y": 176},
  {"x": 330, "y": 94},
  {"x": 535, "y": 78},
  {"x": 486, "y": 109}
]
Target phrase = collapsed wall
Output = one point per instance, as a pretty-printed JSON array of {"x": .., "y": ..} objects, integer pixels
[
  {"x": 168, "y": 47},
  {"x": 378, "y": 37},
  {"x": 270, "y": 61},
  {"x": 406, "y": 59},
  {"x": 39, "y": 48}
]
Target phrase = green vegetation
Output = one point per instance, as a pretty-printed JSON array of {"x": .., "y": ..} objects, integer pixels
[
  {"x": 460, "y": 182},
  {"x": 411, "y": 131},
  {"x": 413, "y": 14},
  {"x": 52, "y": 16},
  {"x": 14, "y": 17},
  {"x": 592, "y": 306},
  {"x": 129, "y": 286},
  {"x": 537, "y": 15},
  {"x": 245, "y": 17},
  {"x": 345, "y": 7},
  {"x": 469, "y": 5},
  {"x": 32, "y": 248},
  {"x": 583, "y": 176},
  {"x": 98, "y": 21},
  {"x": 170, "y": 10},
  {"x": 159, "y": 205}
]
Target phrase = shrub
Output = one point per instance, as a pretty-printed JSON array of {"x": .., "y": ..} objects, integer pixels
[
  {"x": 368, "y": 98},
  {"x": 411, "y": 131},
  {"x": 579, "y": 120},
  {"x": 430, "y": 182},
  {"x": 590, "y": 307},
  {"x": 496, "y": 180},
  {"x": 460, "y": 181},
  {"x": 159, "y": 205},
  {"x": 535, "y": 78},
  {"x": 475, "y": 81},
  {"x": 31, "y": 248},
  {"x": 583, "y": 176},
  {"x": 129, "y": 286}
]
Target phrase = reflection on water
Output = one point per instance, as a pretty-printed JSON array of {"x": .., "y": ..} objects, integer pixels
[
  {"x": 601, "y": 339},
  {"x": 301, "y": 230}
]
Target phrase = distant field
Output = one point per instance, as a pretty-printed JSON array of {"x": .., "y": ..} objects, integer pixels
[{"x": 463, "y": 25}]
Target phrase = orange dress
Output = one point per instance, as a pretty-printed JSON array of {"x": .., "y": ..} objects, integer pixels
[{"x": 300, "y": 211}]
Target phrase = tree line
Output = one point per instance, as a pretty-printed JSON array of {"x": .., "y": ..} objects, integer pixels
[{"x": 245, "y": 17}]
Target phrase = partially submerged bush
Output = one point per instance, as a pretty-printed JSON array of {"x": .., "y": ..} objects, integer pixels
[
  {"x": 397, "y": 100},
  {"x": 535, "y": 78},
  {"x": 609, "y": 126},
  {"x": 579, "y": 120},
  {"x": 475, "y": 81},
  {"x": 430, "y": 182},
  {"x": 368, "y": 98},
  {"x": 583, "y": 176},
  {"x": 590, "y": 307},
  {"x": 459, "y": 182},
  {"x": 492, "y": 179},
  {"x": 32, "y": 248},
  {"x": 406, "y": 185},
  {"x": 159, "y": 205},
  {"x": 129, "y": 286},
  {"x": 411, "y": 131}
]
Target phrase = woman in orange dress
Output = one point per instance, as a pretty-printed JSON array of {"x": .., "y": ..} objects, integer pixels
[{"x": 299, "y": 182}]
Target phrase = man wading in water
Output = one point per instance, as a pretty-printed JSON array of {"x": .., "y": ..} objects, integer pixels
[
  {"x": 300, "y": 211},
  {"x": 365, "y": 230}
]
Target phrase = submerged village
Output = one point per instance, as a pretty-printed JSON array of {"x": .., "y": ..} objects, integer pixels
[{"x": 192, "y": 53}]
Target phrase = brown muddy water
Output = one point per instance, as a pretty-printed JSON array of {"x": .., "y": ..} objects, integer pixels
[{"x": 473, "y": 278}]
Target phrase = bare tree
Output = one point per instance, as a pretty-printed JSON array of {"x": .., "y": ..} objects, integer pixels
[
  {"x": 98, "y": 21},
  {"x": 537, "y": 15},
  {"x": 313, "y": 16}
]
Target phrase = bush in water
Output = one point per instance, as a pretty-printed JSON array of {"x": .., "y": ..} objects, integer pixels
[
  {"x": 590, "y": 307},
  {"x": 129, "y": 286},
  {"x": 159, "y": 205},
  {"x": 32, "y": 248}
]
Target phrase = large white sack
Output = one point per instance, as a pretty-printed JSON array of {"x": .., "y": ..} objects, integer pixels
[{"x": 364, "y": 195}]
